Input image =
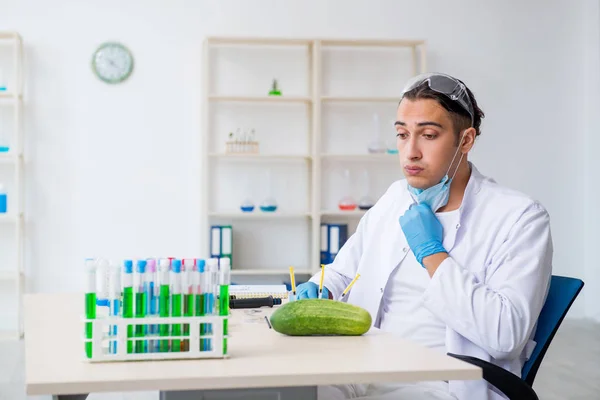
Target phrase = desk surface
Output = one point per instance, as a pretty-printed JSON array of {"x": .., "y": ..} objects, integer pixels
[{"x": 259, "y": 357}]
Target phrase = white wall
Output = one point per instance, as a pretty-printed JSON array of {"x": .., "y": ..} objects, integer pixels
[{"x": 114, "y": 169}]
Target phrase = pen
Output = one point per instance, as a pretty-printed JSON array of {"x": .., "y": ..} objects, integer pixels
[
  {"x": 176, "y": 302},
  {"x": 349, "y": 286},
  {"x": 164, "y": 303},
  {"x": 293, "y": 281},
  {"x": 128, "y": 299},
  {"x": 90, "y": 302},
  {"x": 321, "y": 283}
]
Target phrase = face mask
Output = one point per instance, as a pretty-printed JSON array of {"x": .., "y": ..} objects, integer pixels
[{"x": 437, "y": 196}]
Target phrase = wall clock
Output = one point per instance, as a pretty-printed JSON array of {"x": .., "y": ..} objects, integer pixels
[{"x": 112, "y": 62}]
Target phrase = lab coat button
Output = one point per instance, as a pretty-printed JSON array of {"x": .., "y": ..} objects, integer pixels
[
  {"x": 405, "y": 249},
  {"x": 381, "y": 290},
  {"x": 457, "y": 226}
]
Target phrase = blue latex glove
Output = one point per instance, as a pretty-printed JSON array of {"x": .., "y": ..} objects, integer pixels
[
  {"x": 310, "y": 290},
  {"x": 423, "y": 231}
]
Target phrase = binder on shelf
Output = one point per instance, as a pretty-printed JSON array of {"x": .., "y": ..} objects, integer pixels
[
  {"x": 221, "y": 242},
  {"x": 333, "y": 237}
]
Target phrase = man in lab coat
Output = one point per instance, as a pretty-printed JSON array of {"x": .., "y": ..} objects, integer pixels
[{"x": 447, "y": 257}]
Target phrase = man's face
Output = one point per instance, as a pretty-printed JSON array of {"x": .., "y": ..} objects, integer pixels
[{"x": 426, "y": 142}]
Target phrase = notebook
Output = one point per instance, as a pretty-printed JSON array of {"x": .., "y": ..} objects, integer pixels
[{"x": 253, "y": 291}]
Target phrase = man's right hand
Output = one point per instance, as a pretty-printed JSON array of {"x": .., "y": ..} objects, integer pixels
[{"x": 310, "y": 290}]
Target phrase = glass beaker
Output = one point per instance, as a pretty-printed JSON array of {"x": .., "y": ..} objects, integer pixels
[
  {"x": 247, "y": 204},
  {"x": 366, "y": 201},
  {"x": 376, "y": 145},
  {"x": 347, "y": 202},
  {"x": 269, "y": 204}
]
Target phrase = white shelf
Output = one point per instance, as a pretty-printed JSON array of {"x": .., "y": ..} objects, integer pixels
[
  {"x": 8, "y": 157},
  {"x": 372, "y": 42},
  {"x": 361, "y": 157},
  {"x": 271, "y": 272},
  {"x": 8, "y": 95},
  {"x": 260, "y": 157},
  {"x": 9, "y": 335},
  {"x": 261, "y": 99},
  {"x": 7, "y": 35},
  {"x": 7, "y": 217},
  {"x": 214, "y": 41},
  {"x": 9, "y": 275},
  {"x": 342, "y": 99},
  {"x": 313, "y": 69},
  {"x": 257, "y": 214},
  {"x": 339, "y": 213}
]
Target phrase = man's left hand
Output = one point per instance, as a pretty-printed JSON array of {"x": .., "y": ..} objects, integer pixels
[{"x": 423, "y": 231}]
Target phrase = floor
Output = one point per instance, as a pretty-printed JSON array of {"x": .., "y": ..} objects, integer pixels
[{"x": 570, "y": 371}]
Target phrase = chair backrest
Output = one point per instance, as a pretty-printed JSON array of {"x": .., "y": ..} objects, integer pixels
[{"x": 563, "y": 292}]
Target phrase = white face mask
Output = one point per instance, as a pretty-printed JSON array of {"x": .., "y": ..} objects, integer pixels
[{"x": 437, "y": 196}]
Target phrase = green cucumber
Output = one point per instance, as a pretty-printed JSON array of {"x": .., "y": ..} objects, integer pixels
[{"x": 319, "y": 317}]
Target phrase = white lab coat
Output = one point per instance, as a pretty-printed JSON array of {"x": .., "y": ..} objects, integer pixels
[{"x": 490, "y": 290}]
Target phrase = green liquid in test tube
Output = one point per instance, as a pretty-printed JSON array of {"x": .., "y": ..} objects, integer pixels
[
  {"x": 224, "y": 281},
  {"x": 164, "y": 302},
  {"x": 141, "y": 299},
  {"x": 90, "y": 302},
  {"x": 177, "y": 305},
  {"x": 128, "y": 299}
]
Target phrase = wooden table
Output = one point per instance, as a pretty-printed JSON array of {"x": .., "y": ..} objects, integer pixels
[{"x": 259, "y": 358}]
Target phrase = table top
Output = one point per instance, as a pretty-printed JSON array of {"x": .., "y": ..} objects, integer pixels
[{"x": 258, "y": 357}]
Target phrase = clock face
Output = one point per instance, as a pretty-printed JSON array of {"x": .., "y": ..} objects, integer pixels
[{"x": 112, "y": 62}]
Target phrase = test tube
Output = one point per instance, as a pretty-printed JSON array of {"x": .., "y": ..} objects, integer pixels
[
  {"x": 114, "y": 289},
  {"x": 140, "y": 304},
  {"x": 188, "y": 297},
  {"x": 210, "y": 289},
  {"x": 128, "y": 299},
  {"x": 198, "y": 285},
  {"x": 152, "y": 297},
  {"x": 224, "y": 281},
  {"x": 102, "y": 275},
  {"x": 164, "y": 301},
  {"x": 90, "y": 302},
  {"x": 176, "y": 306}
]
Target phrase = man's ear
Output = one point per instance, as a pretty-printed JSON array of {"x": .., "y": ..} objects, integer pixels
[{"x": 468, "y": 140}]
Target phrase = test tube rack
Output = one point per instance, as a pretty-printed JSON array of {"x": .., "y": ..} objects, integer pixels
[
  {"x": 106, "y": 347},
  {"x": 241, "y": 147}
]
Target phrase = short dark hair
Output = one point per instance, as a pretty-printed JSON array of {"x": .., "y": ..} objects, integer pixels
[{"x": 461, "y": 119}]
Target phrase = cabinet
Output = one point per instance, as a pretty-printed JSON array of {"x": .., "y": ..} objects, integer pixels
[{"x": 310, "y": 141}]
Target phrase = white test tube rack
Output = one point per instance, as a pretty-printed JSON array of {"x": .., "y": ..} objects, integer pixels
[{"x": 100, "y": 340}]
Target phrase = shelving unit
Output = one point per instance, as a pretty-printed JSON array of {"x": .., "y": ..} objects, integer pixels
[
  {"x": 11, "y": 58},
  {"x": 298, "y": 126}
]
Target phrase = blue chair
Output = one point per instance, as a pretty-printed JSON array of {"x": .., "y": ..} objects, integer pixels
[{"x": 563, "y": 292}]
